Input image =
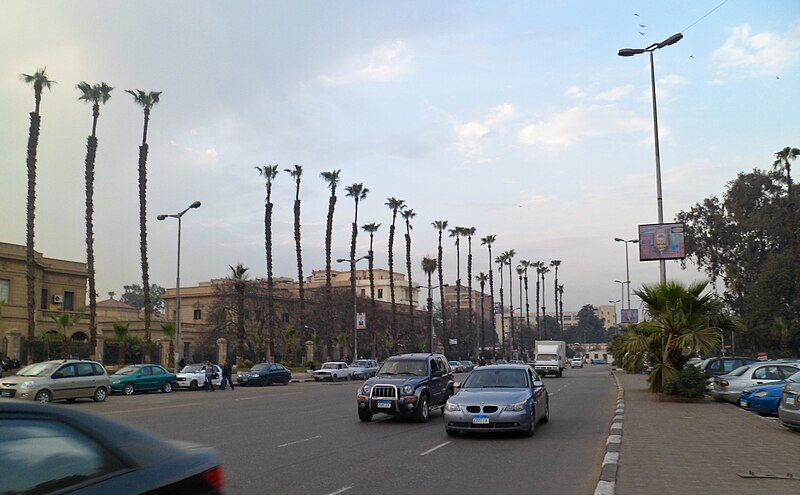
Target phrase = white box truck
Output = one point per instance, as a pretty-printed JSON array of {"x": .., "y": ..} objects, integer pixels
[{"x": 550, "y": 357}]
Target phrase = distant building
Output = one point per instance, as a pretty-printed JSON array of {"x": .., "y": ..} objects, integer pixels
[{"x": 381, "y": 280}]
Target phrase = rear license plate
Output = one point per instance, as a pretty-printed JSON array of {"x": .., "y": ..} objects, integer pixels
[
  {"x": 791, "y": 399},
  {"x": 384, "y": 404},
  {"x": 6, "y": 393},
  {"x": 743, "y": 403},
  {"x": 480, "y": 420}
]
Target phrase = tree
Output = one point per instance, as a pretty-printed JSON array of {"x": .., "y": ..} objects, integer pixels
[
  {"x": 65, "y": 322},
  {"x": 509, "y": 255},
  {"x": 525, "y": 265},
  {"x": 269, "y": 173},
  {"x": 590, "y": 327},
  {"x": 482, "y": 278},
  {"x": 555, "y": 264},
  {"x": 543, "y": 271},
  {"x": 456, "y": 234},
  {"x": 147, "y": 101},
  {"x": 429, "y": 266},
  {"x": 783, "y": 159},
  {"x": 133, "y": 295},
  {"x": 538, "y": 265},
  {"x": 501, "y": 262},
  {"x": 358, "y": 192},
  {"x": 408, "y": 215},
  {"x": 441, "y": 226},
  {"x": 40, "y": 81},
  {"x": 395, "y": 205},
  {"x": 121, "y": 334},
  {"x": 169, "y": 332},
  {"x": 332, "y": 179},
  {"x": 239, "y": 276},
  {"x": 468, "y": 233},
  {"x": 297, "y": 173},
  {"x": 371, "y": 228},
  {"x": 96, "y": 95},
  {"x": 487, "y": 241}
]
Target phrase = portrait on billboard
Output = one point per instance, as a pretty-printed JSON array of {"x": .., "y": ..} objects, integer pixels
[
  {"x": 661, "y": 241},
  {"x": 629, "y": 315}
]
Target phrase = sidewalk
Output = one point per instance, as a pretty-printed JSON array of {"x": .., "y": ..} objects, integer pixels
[{"x": 698, "y": 448}]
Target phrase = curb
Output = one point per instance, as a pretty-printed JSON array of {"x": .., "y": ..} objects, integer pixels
[{"x": 608, "y": 473}]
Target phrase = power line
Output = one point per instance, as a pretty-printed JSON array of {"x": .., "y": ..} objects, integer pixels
[{"x": 707, "y": 14}]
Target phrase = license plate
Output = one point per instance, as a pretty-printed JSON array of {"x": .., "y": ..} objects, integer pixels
[
  {"x": 743, "y": 403},
  {"x": 480, "y": 420},
  {"x": 6, "y": 393},
  {"x": 791, "y": 399},
  {"x": 384, "y": 404}
]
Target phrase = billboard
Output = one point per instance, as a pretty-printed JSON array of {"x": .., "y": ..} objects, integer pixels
[
  {"x": 361, "y": 321},
  {"x": 629, "y": 315},
  {"x": 661, "y": 241}
]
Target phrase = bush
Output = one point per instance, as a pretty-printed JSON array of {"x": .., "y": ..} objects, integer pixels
[
  {"x": 689, "y": 382},
  {"x": 245, "y": 365}
]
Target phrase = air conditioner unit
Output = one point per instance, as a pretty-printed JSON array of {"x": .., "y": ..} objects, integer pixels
[{"x": 58, "y": 299}]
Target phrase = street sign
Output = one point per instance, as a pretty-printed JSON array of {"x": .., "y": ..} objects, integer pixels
[
  {"x": 361, "y": 321},
  {"x": 453, "y": 341}
]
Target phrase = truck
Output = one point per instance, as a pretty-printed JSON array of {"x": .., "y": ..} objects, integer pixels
[{"x": 550, "y": 357}]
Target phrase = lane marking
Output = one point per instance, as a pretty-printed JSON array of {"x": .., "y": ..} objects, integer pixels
[
  {"x": 246, "y": 398},
  {"x": 340, "y": 490},
  {"x": 300, "y": 441},
  {"x": 192, "y": 404},
  {"x": 435, "y": 448}
]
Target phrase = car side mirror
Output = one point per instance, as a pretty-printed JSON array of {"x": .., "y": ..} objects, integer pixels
[
  {"x": 538, "y": 384},
  {"x": 437, "y": 374},
  {"x": 457, "y": 384}
]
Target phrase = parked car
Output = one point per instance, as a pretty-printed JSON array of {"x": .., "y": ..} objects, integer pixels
[
  {"x": 66, "y": 379},
  {"x": 69, "y": 450},
  {"x": 576, "y": 362},
  {"x": 729, "y": 387},
  {"x": 456, "y": 366},
  {"x": 764, "y": 399},
  {"x": 716, "y": 366},
  {"x": 333, "y": 371},
  {"x": 193, "y": 376},
  {"x": 407, "y": 385},
  {"x": 789, "y": 406},
  {"x": 264, "y": 374},
  {"x": 364, "y": 368},
  {"x": 142, "y": 378},
  {"x": 468, "y": 365},
  {"x": 599, "y": 361},
  {"x": 509, "y": 397}
]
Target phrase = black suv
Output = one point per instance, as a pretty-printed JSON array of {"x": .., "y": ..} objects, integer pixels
[{"x": 408, "y": 385}]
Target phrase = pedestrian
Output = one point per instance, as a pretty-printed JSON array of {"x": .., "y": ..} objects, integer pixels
[
  {"x": 209, "y": 385},
  {"x": 181, "y": 364},
  {"x": 227, "y": 370}
]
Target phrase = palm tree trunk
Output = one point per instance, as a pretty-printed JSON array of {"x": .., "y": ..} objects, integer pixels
[
  {"x": 555, "y": 296},
  {"x": 391, "y": 275},
  {"x": 91, "y": 153},
  {"x": 441, "y": 288},
  {"x": 459, "y": 346},
  {"x": 270, "y": 281},
  {"x": 328, "y": 240},
  {"x": 491, "y": 300},
  {"x": 143, "y": 149},
  {"x": 502, "y": 315},
  {"x": 470, "y": 316},
  {"x": 300, "y": 280},
  {"x": 371, "y": 269},
  {"x": 30, "y": 276},
  {"x": 511, "y": 303},
  {"x": 538, "y": 323},
  {"x": 410, "y": 285}
]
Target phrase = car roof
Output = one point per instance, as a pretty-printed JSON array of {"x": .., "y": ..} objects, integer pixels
[{"x": 415, "y": 355}]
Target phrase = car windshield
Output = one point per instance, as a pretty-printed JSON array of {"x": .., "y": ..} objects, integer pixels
[
  {"x": 192, "y": 368},
  {"x": 37, "y": 369},
  {"x": 414, "y": 367},
  {"x": 496, "y": 378},
  {"x": 360, "y": 364},
  {"x": 260, "y": 366},
  {"x": 794, "y": 378},
  {"x": 127, "y": 370}
]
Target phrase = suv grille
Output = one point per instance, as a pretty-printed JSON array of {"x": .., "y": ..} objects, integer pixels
[{"x": 384, "y": 392}]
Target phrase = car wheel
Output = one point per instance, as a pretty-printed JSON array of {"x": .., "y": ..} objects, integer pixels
[
  {"x": 546, "y": 417},
  {"x": 44, "y": 396},
  {"x": 263, "y": 382},
  {"x": 529, "y": 431},
  {"x": 100, "y": 394},
  {"x": 364, "y": 415},
  {"x": 193, "y": 385},
  {"x": 166, "y": 388},
  {"x": 449, "y": 394},
  {"x": 451, "y": 433},
  {"x": 347, "y": 377},
  {"x": 334, "y": 377},
  {"x": 316, "y": 379},
  {"x": 421, "y": 414},
  {"x": 127, "y": 389},
  {"x": 285, "y": 380}
]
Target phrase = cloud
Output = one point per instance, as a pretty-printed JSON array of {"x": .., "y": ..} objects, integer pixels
[
  {"x": 758, "y": 54},
  {"x": 614, "y": 94},
  {"x": 467, "y": 136},
  {"x": 574, "y": 92},
  {"x": 204, "y": 158},
  {"x": 538, "y": 199},
  {"x": 566, "y": 128},
  {"x": 382, "y": 64}
]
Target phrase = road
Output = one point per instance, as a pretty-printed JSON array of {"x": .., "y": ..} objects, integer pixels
[{"x": 306, "y": 438}]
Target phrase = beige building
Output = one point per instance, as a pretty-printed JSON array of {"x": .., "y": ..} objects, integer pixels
[{"x": 382, "y": 284}]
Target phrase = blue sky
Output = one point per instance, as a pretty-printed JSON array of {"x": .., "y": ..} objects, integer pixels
[{"x": 516, "y": 118}]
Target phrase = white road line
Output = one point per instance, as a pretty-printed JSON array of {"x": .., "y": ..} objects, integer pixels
[
  {"x": 246, "y": 398},
  {"x": 340, "y": 490},
  {"x": 300, "y": 441},
  {"x": 192, "y": 404},
  {"x": 435, "y": 448}
]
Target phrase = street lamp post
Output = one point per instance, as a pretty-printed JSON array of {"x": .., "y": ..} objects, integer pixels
[
  {"x": 629, "y": 52},
  {"x": 627, "y": 267},
  {"x": 622, "y": 296},
  {"x": 353, "y": 262},
  {"x": 196, "y": 204}
]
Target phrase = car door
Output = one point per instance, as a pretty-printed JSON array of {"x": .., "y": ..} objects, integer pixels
[
  {"x": 539, "y": 394},
  {"x": 63, "y": 384},
  {"x": 437, "y": 380}
]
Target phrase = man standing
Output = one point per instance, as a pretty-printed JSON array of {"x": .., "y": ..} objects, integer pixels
[
  {"x": 227, "y": 370},
  {"x": 209, "y": 385}
]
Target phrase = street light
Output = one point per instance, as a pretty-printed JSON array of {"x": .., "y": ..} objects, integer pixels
[
  {"x": 196, "y": 204},
  {"x": 629, "y": 52},
  {"x": 622, "y": 295},
  {"x": 627, "y": 266},
  {"x": 355, "y": 308}
]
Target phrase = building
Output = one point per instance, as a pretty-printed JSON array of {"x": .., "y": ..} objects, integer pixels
[{"x": 381, "y": 280}]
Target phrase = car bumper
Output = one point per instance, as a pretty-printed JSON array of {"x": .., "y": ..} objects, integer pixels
[
  {"x": 481, "y": 422},
  {"x": 763, "y": 405},
  {"x": 727, "y": 396},
  {"x": 403, "y": 405}
]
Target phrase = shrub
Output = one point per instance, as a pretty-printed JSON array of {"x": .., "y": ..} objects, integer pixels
[
  {"x": 689, "y": 382},
  {"x": 246, "y": 364}
]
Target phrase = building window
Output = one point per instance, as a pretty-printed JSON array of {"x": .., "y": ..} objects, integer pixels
[
  {"x": 363, "y": 292},
  {"x": 45, "y": 302},
  {"x": 380, "y": 293},
  {"x": 69, "y": 301},
  {"x": 286, "y": 317},
  {"x": 198, "y": 314},
  {"x": 4, "y": 291},
  {"x": 258, "y": 315}
]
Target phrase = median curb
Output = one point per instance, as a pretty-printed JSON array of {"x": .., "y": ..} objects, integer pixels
[{"x": 608, "y": 473}]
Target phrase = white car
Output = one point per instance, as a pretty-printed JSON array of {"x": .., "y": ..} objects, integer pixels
[
  {"x": 193, "y": 376},
  {"x": 364, "y": 368},
  {"x": 576, "y": 362},
  {"x": 333, "y": 371}
]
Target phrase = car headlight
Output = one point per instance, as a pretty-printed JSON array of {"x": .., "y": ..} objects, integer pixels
[
  {"x": 520, "y": 406},
  {"x": 761, "y": 394},
  {"x": 26, "y": 385},
  {"x": 408, "y": 389},
  {"x": 452, "y": 407},
  {"x": 115, "y": 381},
  {"x": 366, "y": 389}
]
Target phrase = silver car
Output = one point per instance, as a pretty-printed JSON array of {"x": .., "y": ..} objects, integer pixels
[
  {"x": 364, "y": 368},
  {"x": 789, "y": 406},
  {"x": 729, "y": 387},
  {"x": 494, "y": 398},
  {"x": 65, "y": 379}
]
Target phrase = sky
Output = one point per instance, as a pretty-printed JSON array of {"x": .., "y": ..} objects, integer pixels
[{"x": 517, "y": 118}]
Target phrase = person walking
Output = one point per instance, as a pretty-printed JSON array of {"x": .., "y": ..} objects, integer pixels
[
  {"x": 181, "y": 364},
  {"x": 209, "y": 385},
  {"x": 227, "y": 371}
]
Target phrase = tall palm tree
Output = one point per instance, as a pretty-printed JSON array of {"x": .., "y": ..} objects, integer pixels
[
  {"x": 487, "y": 241},
  {"x": 544, "y": 271},
  {"x": 429, "y": 266},
  {"x": 297, "y": 173},
  {"x": 561, "y": 307},
  {"x": 358, "y": 192},
  {"x": 408, "y": 215},
  {"x": 168, "y": 329},
  {"x": 147, "y": 101},
  {"x": 40, "y": 81},
  {"x": 501, "y": 262},
  {"x": 482, "y": 278},
  {"x": 456, "y": 234},
  {"x": 783, "y": 159},
  {"x": 96, "y": 95},
  {"x": 269, "y": 173},
  {"x": 371, "y": 228},
  {"x": 525, "y": 265},
  {"x": 469, "y": 232},
  {"x": 65, "y": 321},
  {"x": 440, "y": 226},
  {"x": 555, "y": 264},
  {"x": 395, "y": 205},
  {"x": 509, "y": 255},
  {"x": 239, "y": 278},
  {"x": 520, "y": 271},
  {"x": 121, "y": 334},
  {"x": 332, "y": 179}
]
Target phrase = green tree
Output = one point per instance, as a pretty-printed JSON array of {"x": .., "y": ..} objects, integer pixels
[
  {"x": 297, "y": 174},
  {"x": 395, "y": 205},
  {"x": 121, "y": 330},
  {"x": 555, "y": 264},
  {"x": 456, "y": 233},
  {"x": 239, "y": 277},
  {"x": 468, "y": 232},
  {"x": 332, "y": 179},
  {"x": 408, "y": 215},
  {"x": 269, "y": 173},
  {"x": 441, "y": 226},
  {"x": 590, "y": 327},
  {"x": 371, "y": 228},
  {"x": 509, "y": 256},
  {"x": 96, "y": 94},
  {"x": 429, "y": 266},
  {"x": 501, "y": 263},
  {"x": 133, "y": 295},
  {"x": 783, "y": 161},
  {"x": 168, "y": 329},
  {"x": 488, "y": 241},
  {"x": 65, "y": 322},
  {"x": 481, "y": 278}
]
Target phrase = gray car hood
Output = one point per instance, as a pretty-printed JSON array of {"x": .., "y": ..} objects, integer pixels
[{"x": 497, "y": 396}]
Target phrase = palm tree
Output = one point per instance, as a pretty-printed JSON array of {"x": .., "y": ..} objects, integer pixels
[
  {"x": 520, "y": 271},
  {"x": 561, "y": 306},
  {"x": 169, "y": 332},
  {"x": 538, "y": 265},
  {"x": 371, "y": 228},
  {"x": 40, "y": 81},
  {"x": 297, "y": 173},
  {"x": 121, "y": 334},
  {"x": 239, "y": 278},
  {"x": 482, "y": 278},
  {"x": 487, "y": 241},
  {"x": 147, "y": 101},
  {"x": 408, "y": 215},
  {"x": 525, "y": 265},
  {"x": 440, "y": 226},
  {"x": 429, "y": 266},
  {"x": 509, "y": 255},
  {"x": 97, "y": 94},
  {"x": 332, "y": 178},
  {"x": 501, "y": 261},
  {"x": 269, "y": 173},
  {"x": 556, "y": 264},
  {"x": 456, "y": 234},
  {"x": 544, "y": 271},
  {"x": 395, "y": 205},
  {"x": 783, "y": 159},
  {"x": 64, "y": 322},
  {"x": 358, "y": 192},
  {"x": 469, "y": 232}
]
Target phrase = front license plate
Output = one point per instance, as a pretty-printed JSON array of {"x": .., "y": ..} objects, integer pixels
[
  {"x": 384, "y": 404},
  {"x": 743, "y": 403},
  {"x": 6, "y": 393},
  {"x": 791, "y": 399},
  {"x": 480, "y": 420}
]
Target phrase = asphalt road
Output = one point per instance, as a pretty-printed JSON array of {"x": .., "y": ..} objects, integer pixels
[{"x": 305, "y": 438}]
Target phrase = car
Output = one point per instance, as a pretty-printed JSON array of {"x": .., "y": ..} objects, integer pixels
[
  {"x": 63, "y": 379},
  {"x": 142, "y": 378},
  {"x": 599, "y": 361},
  {"x": 495, "y": 398},
  {"x": 364, "y": 368},
  {"x": 70, "y": 450},
  {"x": 789, "y": 406},
  {"x": 467, "y": 365},
  {"x": 456, "y": 366},
  {"x": 764, "y": 399},
  {"x": 333, "y": 371},
  {"x": 576, "y": 362},
  {"x": 193, "y": 376},
  {"x": 716, "y": 366},
  {"x": 729, "y": 387},
  {"x": 264, "y": 374},
  {"x": 407, "y": 385}
]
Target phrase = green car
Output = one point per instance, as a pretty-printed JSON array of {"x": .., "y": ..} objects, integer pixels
[{"x": 142, "y": 378}]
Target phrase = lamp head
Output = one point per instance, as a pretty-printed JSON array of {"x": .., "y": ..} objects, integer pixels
[
  {"x": 340, "y": 260},
  {"x": 162, "y": 217},
  {"x": 619, "y": 240},
  {"x": 671, "y": 40},
  {"x": 630, "y": 52},
  {"x": 634, "y": 241},
  {"x": 196, "y": 204}
]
